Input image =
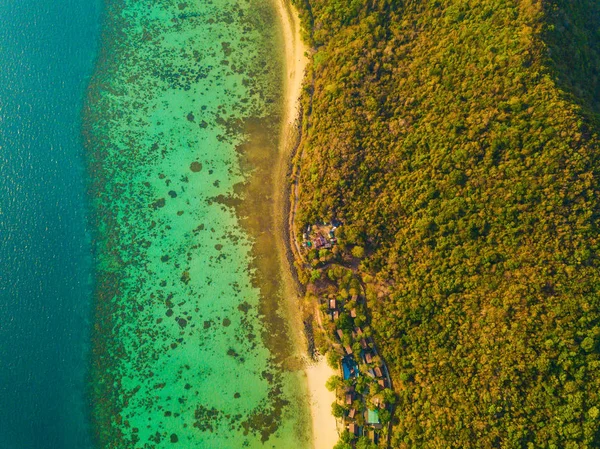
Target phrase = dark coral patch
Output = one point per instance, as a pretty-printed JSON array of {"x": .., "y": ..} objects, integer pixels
[
  {"x": 244, "y": 307},
  {"x": 195, "y": 166},
  {"x": 185, "y": 277},
  {"x": 158, "y": 203}
]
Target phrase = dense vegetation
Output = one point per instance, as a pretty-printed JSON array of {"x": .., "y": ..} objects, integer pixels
[{"x": 457, "y": 142}]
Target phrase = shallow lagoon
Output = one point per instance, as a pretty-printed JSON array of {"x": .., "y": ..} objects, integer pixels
[{"x": 189, "y": 349}]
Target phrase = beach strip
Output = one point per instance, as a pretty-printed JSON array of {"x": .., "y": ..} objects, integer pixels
[{"x": 325, "y": 434}]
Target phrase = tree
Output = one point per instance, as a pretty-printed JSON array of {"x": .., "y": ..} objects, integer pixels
[
  {"x": 333, "y": 383},
  {"x": 333, "y": 359},
  {"x": 364, "y": 443},
  {"x": 337, "y": 410},
  {"x": 358, "y": 252}
]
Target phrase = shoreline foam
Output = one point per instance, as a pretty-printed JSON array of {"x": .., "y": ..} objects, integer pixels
[{"x": 324, "y": 431}]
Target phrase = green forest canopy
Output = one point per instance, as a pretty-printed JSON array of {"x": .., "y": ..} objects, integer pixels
[{"x": 457, "y": 142}]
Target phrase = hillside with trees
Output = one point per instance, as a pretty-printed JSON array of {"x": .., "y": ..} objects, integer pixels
[{"x": 457, "y": 143}]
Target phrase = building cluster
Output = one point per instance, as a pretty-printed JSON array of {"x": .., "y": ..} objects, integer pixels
[
  {"x": 363, "y": 373},
  {"x": 319, "y": 236}
]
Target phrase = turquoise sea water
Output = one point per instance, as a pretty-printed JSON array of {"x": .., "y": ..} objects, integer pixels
[
  {"x": 47, "y": 54},
  {"x": 187, "y": 349}
]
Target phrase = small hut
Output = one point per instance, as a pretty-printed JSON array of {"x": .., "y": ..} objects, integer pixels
[
  {"x": 349, "y": 398},
  {"x": 353, "y": 429}
]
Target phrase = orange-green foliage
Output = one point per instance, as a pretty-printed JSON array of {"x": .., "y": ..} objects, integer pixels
[{"x": 457, "y": 142}]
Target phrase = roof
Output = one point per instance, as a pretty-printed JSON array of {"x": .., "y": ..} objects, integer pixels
[{"x": 372, "y": 417}]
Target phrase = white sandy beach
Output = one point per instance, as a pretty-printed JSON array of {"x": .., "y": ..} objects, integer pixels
[
  {"x": 324, "y": 429},
  {"x": 295, "y": 59},
  {"x": 325, "y": 434}
]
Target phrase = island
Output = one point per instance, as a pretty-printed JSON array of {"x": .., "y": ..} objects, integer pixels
[{"x": 454, "y": 146}]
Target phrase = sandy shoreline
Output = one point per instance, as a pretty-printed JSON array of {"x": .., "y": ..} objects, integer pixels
[
  {"x": 325, "y": 434},
  {"x": 324, "y": 430}
]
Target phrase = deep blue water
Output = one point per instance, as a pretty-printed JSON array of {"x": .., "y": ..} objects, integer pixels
[{"x": 47, "y": 53}]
